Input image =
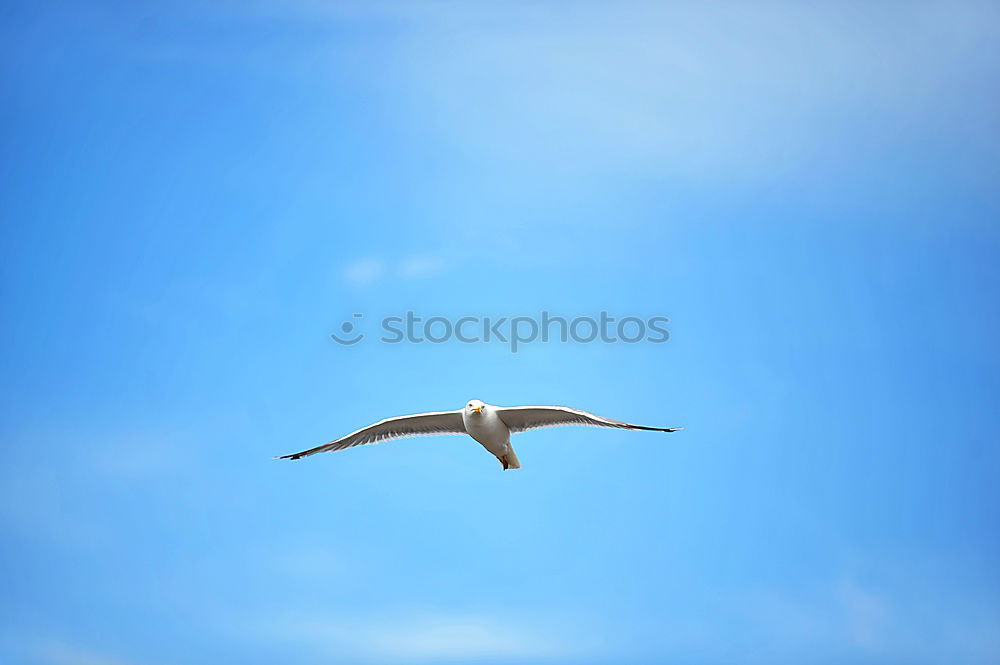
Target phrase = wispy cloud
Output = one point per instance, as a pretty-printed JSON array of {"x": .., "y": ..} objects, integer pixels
[
  {"x": 653, "y": 87},
  {"x": 419, "y": 266},
  {"x": 433, "y": 637},
  {"x": 57, "y": 498},
  {"x": 363, "y": 272},
  {"x": 688, "y": 89},
  {"x": 61, "y": 653},
  {"x": 877, "y": 624},
  {"x": 369, "y": 270},
  {"x": 866, "y": 614}
]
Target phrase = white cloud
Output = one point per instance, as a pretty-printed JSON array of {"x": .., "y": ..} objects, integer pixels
[
  {"x": 680, "y": 89},
  {"x": 866, "y": 614},
  {"x": 366, "y": 271},
  {"x": 690, "y": 88},
  {"x": 419, "y": 266},
  {"x": 433, "y": 637},
  {"x": 684, "y": 89},
  {"x": 363, "y": 272},
  {"x": 877, "y": 624},
  {"x": 59, "y": 653}
]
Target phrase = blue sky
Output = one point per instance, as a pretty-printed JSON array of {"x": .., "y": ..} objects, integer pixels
[{"x": 196, "y": 196}]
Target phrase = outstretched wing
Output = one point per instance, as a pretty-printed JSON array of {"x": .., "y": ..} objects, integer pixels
[
  {"x": 421, "y": 424},
  {"x": 523, "y": 418}
]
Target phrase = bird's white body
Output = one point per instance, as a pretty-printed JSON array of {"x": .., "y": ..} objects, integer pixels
[
  {"x": 490, "y": 425},
  {"x": 484, "y": 425}
]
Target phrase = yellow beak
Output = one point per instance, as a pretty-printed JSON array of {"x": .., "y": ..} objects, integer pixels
[{"x": 478, "y": 409}]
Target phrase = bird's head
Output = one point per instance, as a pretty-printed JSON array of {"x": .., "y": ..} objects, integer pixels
[{"x": 475, "y": 407}]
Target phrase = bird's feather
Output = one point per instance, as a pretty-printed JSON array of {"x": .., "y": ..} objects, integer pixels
[
  {"x": 421, "y": 424},
  {"x": 524, "y": 418}
]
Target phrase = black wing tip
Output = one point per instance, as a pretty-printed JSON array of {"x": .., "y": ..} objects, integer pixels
[
  {"x": 295, "y": 456},
  {"x": 656, "y": 429}
]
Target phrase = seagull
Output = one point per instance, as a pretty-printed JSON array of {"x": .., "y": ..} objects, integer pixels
[{"x": 490, "y": 425}]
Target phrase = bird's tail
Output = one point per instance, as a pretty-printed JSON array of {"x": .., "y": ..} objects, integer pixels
[{"x": 509, "y": 460}]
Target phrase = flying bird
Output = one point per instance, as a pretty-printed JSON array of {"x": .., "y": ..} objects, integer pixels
[{"x": 490, "y": 425}]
